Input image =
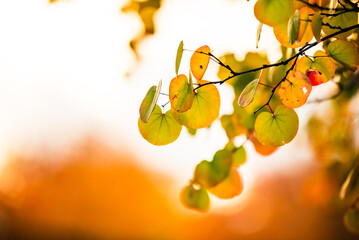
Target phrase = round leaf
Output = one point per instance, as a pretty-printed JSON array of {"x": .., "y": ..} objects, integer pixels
[
  {"x": 209, "y": 174},
  {"x": 149, "y": 102},
  {"x": 351, "y": 220},
  {"x": 179, "y": 56},
  {"x": 273, "y": 12},
  {"x": 204, "y": 109},
  {"x": 295, "y": 90},
  {"x": 195, "y": 199},
  {"x": 238, "y": 154},
  {"x": 161, "y": 129},
  {"x": 276, "y": 129},
  {"x": 260, "y": 148},
  {"x": 321, "y": 62},
  {"x": 247, "y": 95},
  {"x": 345, "y": 53},
  {"x": 230, "y": 187},
  {"x": 181, "y": 93},
  {"x": 199, "y": 61}
]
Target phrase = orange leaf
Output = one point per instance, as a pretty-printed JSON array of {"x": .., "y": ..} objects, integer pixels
[
  {"x": 199, "y": 61},
  {"x": 295, "y": 90}
]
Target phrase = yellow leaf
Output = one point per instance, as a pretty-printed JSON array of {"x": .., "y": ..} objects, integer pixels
[
  {"x": 204, "y": 109},
  {"x": 199, "y": 61},
  {"x": 295, "y": 90}
]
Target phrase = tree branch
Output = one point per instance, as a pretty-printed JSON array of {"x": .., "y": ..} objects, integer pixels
[{"x": 301, "y": 51}]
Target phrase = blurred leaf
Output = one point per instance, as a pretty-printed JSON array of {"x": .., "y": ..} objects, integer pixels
[
  {"x": 161, "y": 129},
  {"x": 230, "y": 187},
  {"x": 351, "y": 220},
  {"x": 195, "y": 199},
  {"x": 260, "y": 148},
  {"x": 281, "y": 33},
  {"x": 343, "y": 21},
  {"x": 191, "y": 131},
  {"x": 320, "y": 62},
  {"x": 247, "y": 95},
  {"x": 204, "y": 110},
  {"x": 149, "y": 102},
  {"x": 293, "y": 28},
  {"x": 209, "y": 174},
  {"x": 146, "y": 10},
  {"x": 304, "y": 21},
  {"x": 317, "y": 25},
  {"x": 231, "y": 126},
  {"x": 276, "y": 129},
  {"x": 273, "y": 12},
  {"x": 345, "y": 53},
  {"x": 238, "y": 153},
  {"x": 179, "y": 56},
  {"x": 199, "y": 61},
  {"x": 351, "y": 184},
  {"x": 259, "y": 30},
  {"x": 181, "y": 93},
  {"x": 239, "y": 156},
  {"x": 295, "y": 90}
]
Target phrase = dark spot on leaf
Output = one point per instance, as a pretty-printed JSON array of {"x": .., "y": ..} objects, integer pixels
[{"x": 200, "y": 66}]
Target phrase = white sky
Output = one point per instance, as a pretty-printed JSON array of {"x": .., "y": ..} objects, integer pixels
[{"x": 63, "y": 67}]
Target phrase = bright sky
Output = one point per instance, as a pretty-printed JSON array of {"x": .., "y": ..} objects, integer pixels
[{"x": 63, "y": 68}]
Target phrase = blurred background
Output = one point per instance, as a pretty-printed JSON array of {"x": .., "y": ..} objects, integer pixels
[{"x": 73, "y": 164}]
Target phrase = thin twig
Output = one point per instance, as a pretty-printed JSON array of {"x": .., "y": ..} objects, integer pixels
[{"x": 301, "y": 51}]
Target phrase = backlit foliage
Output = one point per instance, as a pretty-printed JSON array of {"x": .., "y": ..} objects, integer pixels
[{"x": 264, "y": 103}]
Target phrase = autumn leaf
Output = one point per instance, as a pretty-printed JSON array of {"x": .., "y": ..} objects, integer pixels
[
  {"x": 230, "y": 187},
  {"x": 161, "y": 129},
  {"x": 181, "y": 93},
  {"x": 295, "y": 90},
  {"x": 204, "y": 109},
  {"x": 199, "y": 61},
  {"x": 273, "y": 12},
  {"x": 196, "y": 199},
  {"x": 149, "y": 102},
  {"x": 277, "y": 129},
  {"x": 321, "y": 62},
  {"x": 209, "y": 174}
]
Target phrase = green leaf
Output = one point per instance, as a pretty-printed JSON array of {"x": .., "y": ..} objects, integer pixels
[
  {"x": 196, "y": 199},
  {"x": 238, "y": 153},
  {"x": 149, "y": 102},
  {"x": 204, "y": 109},
  {"x": 239, "y": 156},
  {"x": 247, "y": 95},
  {"x": 276, "y": 129},
  {"x": 181, "y": 93},
  {"x": 345, "y": 53},
  {"x": 351, "y": 220},
  {"x": 209, "y": 174},
  {"x": 191, "y": 131},
  {"x": 230, "y": 187},
  {"x": 293, "y": 28},
  {"x": 273, "y": 12},
  {"x": 161, "y": 129},
  {"x": 320, "y": 62},
  {"x": 179, "y": 56},
  {"x": 343, "y": 20},
  {"x": 317, "y": 25}
]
